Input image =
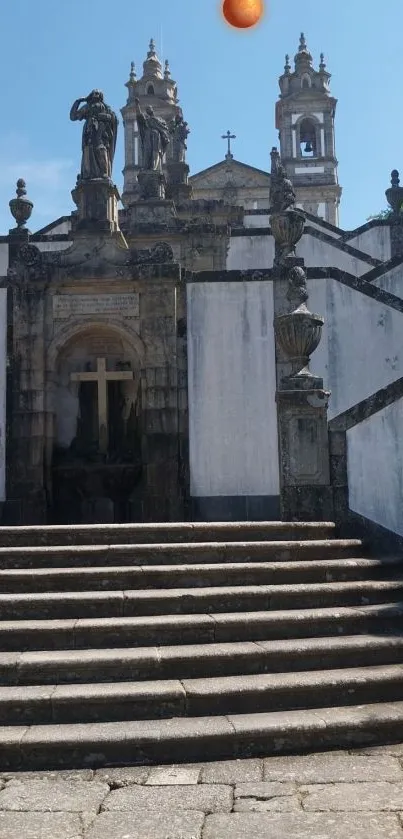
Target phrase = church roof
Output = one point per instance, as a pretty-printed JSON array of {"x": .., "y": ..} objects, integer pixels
[{"x": 234, "y": 169}]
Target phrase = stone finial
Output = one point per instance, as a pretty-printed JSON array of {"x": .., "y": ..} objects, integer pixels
[
  {"x": 394, "y": 195},
  {"x": 297, "y": 293},
  {"x": 152, "y": 65},
  {"x": 287, "y": 65},
  {"x": 322, "y": 65},
  {"x": 282, "y": 195},
  {"x": 303, "y": 55},
  {"x": 21, "y": 187},
  {"x": 167, "y": 71},
  {"x": 21, "y": 207},
  {"x": 131, "y": 83}
]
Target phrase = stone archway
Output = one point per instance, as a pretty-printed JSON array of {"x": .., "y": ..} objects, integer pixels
[{"x": 96, "y": 447}]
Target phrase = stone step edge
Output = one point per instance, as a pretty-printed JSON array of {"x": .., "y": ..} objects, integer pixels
[
  {"x": 206, "y": 687},
  {"x": 212, "y": 622},
  {"x": 205, "y": 567},
  {"x": 185, "y": 547},
  {"x": 19, "y": 668},
  {"x": 155, "y": 527},
  {"x": 199, "y": 593},
  {"x": 92, "y": 745}
]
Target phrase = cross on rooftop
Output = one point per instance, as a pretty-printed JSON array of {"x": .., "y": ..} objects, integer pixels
[{"x": 228, "y": 136}]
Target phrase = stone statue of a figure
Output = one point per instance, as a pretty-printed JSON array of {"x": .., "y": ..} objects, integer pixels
[
  {"x": 180, "y": 132},
  {"x": 154, "y": 137},
  {"x": 99, "y": 135}
]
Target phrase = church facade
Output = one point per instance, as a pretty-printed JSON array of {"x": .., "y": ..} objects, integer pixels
[{"x": 157, "y": 358}]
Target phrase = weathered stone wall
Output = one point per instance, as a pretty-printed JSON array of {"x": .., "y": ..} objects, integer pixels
[
  {"x": 374, "y": 240},
  {"x": 232, "y": 409},
  {"x": 254, "y": 250},
  {"x": 360, "y": 350},
  {"x": 3, "y": 258},
  {"x": 375, "y": 467}
]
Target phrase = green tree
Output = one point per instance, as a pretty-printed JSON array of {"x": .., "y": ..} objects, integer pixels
[{"x": 384, "y": 214}]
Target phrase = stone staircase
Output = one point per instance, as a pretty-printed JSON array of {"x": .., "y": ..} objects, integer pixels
[{"x": 179, "y": 642}]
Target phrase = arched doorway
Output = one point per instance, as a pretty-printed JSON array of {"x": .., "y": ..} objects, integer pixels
[{"x": 96, "y": 461}]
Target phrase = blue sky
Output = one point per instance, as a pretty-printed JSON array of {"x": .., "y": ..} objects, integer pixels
[{"x": 53, "y": 52}]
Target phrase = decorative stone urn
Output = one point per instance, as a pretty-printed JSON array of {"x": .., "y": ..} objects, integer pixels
[
  {"x": 299, "y": 333},
  {"x": 21, "y": 207},
  {"x": 287, "y": 229},
  {"x": 394, "y": 195}
]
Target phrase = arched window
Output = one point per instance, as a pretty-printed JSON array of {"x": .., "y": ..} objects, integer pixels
[
  {"x": 150, "y": 90},
  {"x": 308, "y": 138},
  {"x": 306, "y": 81}
]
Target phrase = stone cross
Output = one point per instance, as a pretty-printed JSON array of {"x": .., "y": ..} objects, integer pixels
[
  {"x": 102, "y": 377},
  {"x": 228, "y": 136}
]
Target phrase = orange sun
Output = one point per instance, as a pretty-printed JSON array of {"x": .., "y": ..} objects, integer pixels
[{"x": 243, "y": 13}]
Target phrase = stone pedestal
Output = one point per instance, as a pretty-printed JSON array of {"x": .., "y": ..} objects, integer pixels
[
  {"x": 152, "y": 184},
  {"x": 304, "y": 450},
  {"x": 97, "y": 206},
  {"x": 151, "y": 216},
  {"x": 178, "y": 187}
]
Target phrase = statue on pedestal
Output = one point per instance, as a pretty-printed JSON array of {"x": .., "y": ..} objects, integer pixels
[
  {"x": 154, "y": 137},
  {"x": 99, "y": 135},
  {"x": 180, "y": 132}
]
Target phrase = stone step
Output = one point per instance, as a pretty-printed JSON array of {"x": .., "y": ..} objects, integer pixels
[
  {"x": 58, "y": 746},
  {"x": 148, "y": 631},
  {"x": 198, "y": 660},
  {"x": 242, "y": 694},
  {"x": 106, "y": 534},
  {"x": 178, "y": 553},
  {"x": 197, "y": 575},
  {"x": 82, "y": 604}
]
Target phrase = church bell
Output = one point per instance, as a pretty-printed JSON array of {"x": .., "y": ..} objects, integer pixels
[{"x": 308, "y": 148}]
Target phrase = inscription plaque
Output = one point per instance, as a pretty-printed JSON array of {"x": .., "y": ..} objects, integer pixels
[{"x": 68, "y": 305}]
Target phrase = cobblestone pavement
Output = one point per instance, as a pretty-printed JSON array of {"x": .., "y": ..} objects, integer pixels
[{"x": 334, "y": 795}]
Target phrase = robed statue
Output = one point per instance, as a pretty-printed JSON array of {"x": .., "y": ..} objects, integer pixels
[
  {"x": 99, "y": 135},
  {"x": 180, "y": 132},
  {"x": 154, "y": 138}
]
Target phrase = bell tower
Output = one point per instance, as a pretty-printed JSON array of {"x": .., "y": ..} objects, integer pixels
[
  {"x": 305, "y": 113},
  {"x": 157, "y": 89}
]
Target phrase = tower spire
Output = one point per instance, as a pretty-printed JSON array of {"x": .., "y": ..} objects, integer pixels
[
  {"x": 303, "y": 56},
  {"x": 152, "y": 65}
]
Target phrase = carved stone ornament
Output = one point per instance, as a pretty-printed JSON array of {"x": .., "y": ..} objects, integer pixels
[
  {"x": 30, "y": 255},
  {"x": 287, "y": 229},
  {"x": 21, "y": 207},
  {"x": 160, "y": 254},
  {"x": 299, "y": 333},
  {"x": 282, "y": 195},
  {"x": 287, "y": 222},
  {"x": 394, "y": 195},
  {"x": 297, "y": 289}
]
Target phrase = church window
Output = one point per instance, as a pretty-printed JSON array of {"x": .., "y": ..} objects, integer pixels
[
  {"x": 306, "y": 81},
  {"x": 308, "y": 139},
  {"x": 150, "y": 90}
]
